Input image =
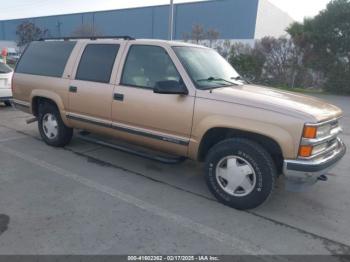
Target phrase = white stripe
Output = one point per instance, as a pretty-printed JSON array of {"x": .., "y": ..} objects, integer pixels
[
  {"x": 89, "y": 118},
  {"x": 244, "y": 246},
  {"x": 127, "y": 128},
  {"x": 12, "y": 138},
  {"x": 20, "y": 102}
]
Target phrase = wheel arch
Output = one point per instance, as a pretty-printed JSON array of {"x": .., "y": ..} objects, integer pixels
[
  {"x": 42, "y": 96},
  {"x": 215, "y": 135}
]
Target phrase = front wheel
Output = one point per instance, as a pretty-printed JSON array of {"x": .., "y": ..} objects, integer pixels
[
  {"x": 240, "y": 173},
  {"x": 51, "y": 127}
]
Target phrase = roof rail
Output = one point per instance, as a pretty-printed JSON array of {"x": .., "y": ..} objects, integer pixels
[{"x": 125, "y": 37}]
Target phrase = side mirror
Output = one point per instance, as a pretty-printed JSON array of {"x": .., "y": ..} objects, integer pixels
[{"x": 170, "y": 87}]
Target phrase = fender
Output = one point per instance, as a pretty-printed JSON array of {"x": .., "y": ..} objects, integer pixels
[
  {"x": 55, "y": 98},
  {"x": 280, "y": 135}
]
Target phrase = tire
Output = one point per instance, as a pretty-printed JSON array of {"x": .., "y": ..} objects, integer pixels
[
  {"x": 7, "y": 103},
  {"x": 51, "y": 127},
  {"x": 254, "y": 170}
]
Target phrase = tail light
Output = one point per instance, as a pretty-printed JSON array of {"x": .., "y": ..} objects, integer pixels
[{"x": 12, "y": 85}]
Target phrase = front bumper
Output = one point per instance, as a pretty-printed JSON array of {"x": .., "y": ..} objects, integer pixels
[{"x": 303, "y": 173}]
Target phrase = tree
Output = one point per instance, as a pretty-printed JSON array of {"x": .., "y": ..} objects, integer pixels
[
  {"x": 86, "y": 30},
  {"x": 27, "y": 32},
  {"x": 225, "y": 49},
  {"x": 212, "y": 36},
  {"x": 325, "y": 44},
  {"x": 248, "y": 61},
  {"x": 197, "y": 33},
  {"x": 186, "y": 36},
  {"x": 281, "y": 60},
  {"x": 273, "y": 61}
]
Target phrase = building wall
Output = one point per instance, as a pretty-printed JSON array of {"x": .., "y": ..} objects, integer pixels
[
  {"x": 234, "y": 19},
  {"x": 271, "y": 21}
]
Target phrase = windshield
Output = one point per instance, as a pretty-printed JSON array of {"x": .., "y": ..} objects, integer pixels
[
  {"x": 207, "y": 68},
  {"x": 4, "y": 69}
]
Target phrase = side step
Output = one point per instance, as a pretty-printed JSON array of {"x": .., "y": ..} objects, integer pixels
[{"x": 132, "y": 149}]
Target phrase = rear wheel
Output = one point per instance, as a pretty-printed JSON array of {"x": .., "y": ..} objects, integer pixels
[
  {"x": 7, "y": 103},
  {"x": 240, "y": 173},
  {"x": 51, "y": 127}
]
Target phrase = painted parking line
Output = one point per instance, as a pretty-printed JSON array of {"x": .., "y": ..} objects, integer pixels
[
  {"x": 245, "y": 247},
  {"x": 12, "y": 139}
]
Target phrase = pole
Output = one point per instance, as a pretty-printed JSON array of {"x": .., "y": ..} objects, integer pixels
[{"x": 171, "y": 20}]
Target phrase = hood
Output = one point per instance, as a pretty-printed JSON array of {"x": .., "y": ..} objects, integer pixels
[{"x": 276, "y": 100}]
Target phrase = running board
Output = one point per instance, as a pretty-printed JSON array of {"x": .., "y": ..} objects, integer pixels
[{"x": 144, "y": 153}]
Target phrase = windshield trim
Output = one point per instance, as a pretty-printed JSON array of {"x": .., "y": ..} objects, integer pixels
[{"x": 194, "y": 82}]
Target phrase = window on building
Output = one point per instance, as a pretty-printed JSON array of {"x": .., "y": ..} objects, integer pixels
[
  {"x": 46, "y": 58},
  {"x": 96, "y": 63},
  {"x": 147, "y": 65}
]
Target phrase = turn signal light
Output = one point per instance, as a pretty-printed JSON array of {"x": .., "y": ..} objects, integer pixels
[
  {"x": 305, "y": 151},
  {"x": 310, "y": 132}
]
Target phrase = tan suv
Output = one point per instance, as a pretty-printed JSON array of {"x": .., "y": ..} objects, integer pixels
[{"x": 182, "y": 100}]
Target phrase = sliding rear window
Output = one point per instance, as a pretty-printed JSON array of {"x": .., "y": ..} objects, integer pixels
[{"x": 45, "y": 58}]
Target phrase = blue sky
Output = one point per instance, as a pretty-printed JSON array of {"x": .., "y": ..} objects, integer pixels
[{"x": 11, "y": 9}]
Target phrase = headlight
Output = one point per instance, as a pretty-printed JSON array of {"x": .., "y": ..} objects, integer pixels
[
  {"x": 313, "y": 132},
  {"x": 323, "y": 131}
]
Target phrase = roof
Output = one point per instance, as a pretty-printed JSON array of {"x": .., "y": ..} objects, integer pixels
[{"x": 108, "y": 39}]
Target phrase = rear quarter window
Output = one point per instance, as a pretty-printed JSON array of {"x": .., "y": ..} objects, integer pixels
[{"x": 45, "y": 58}]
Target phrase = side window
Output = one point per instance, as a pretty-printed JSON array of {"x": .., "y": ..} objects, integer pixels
[
  {"x": 96, "y": 63},
  {"x": 146, "y": 65},
  {"x": 46, "y": 58}
]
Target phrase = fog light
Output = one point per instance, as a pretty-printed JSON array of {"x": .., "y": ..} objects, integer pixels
[{"x": 305, "y": 151}]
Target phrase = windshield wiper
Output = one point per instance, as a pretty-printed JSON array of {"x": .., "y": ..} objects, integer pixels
[
  {"x": 214, "y": 79},
  {"x": 240, "y": 78}
]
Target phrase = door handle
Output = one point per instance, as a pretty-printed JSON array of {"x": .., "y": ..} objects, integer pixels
[
  {"x": 73, "y": 89},
  {"x": 118, "y": 97}
]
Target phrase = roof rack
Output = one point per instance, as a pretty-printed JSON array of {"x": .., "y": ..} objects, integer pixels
[{"x": 125, "y": 37}]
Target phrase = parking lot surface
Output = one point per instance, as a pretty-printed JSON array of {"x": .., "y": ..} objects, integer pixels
[{"x": 87, "y": 199}]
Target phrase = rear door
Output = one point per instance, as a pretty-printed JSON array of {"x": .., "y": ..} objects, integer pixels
[{"x": 91, "y": 87}]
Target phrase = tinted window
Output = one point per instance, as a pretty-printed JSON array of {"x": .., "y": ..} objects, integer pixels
[
  {"x": 146, "y": 65},
  {"x": 45, "y": 58},
  {"x": 4, "y": 69},
  {"x": 96, "y": 63}
]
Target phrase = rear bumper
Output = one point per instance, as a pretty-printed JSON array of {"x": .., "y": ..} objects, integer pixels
[
  {"x": 5, "y": 98},
  {"x": 5, "y": 94},
  {"x": 303, "y": 173}
]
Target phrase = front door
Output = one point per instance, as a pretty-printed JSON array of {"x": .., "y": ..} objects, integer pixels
[{"x": 156, "y": 120}]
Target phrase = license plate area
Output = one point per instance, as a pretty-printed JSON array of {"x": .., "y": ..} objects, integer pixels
[{"x": 3, "y": 83}]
